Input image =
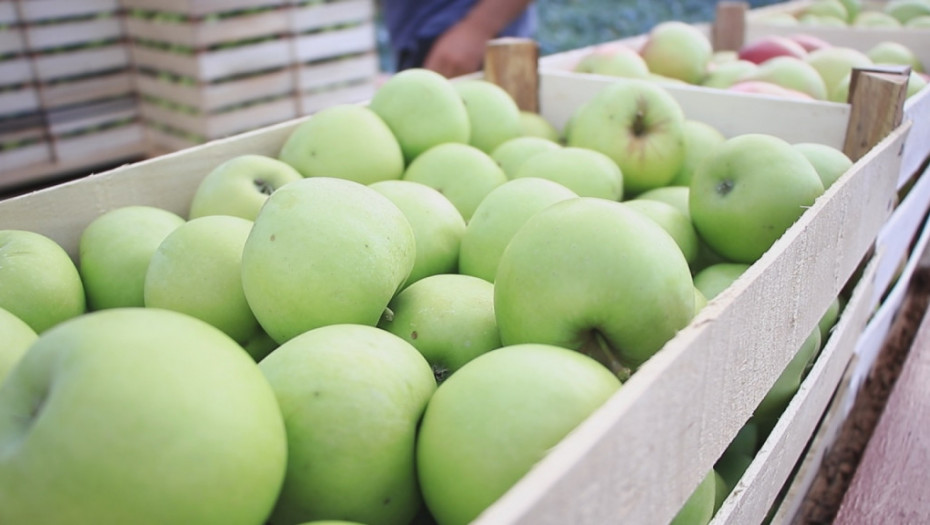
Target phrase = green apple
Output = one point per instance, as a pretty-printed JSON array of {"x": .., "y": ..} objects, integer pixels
[
  {"x": 853, "y": 8},
  {"x": 586, "y": 172},
  {"x": 922, "y": 22},
  {"x": 677, "y": 50},
  {"x": 39, "y": 283},
  {"x": 699, "y": 507},
  {"x": 749, "y": 192},
  {"x": 259, "y": 345},
  {"x": 197, "y": 270},
  {"x": 496, "y": 417},
  {"x": 353, "y": 395},
  {"x": 423, "y": 109},
  {"x": 829, "y": 318},
  {"x": 700, "y": 141},
  {"x": 729, "y": 73},
  {"x": 875, "y": 19},
  {"x": 905, "y": 10},
  {"x": 717, "y": 277},
  {"x": 619, "y": 61},
  {"x": 437, "y": 225},
  {"x": 323, "y": 251},
  {"x": 739, "y": 453},
  {"x": 890, "y": 52},
  {"x": 240, "y": 186},
  {"x": 511, "y": 154},
  {"x": 677, "y": 196},
  {"x": 346, "y": 141},
  {"x": 721, "y": 490},
  {"x": 595, "y": 276},
  {"x": 502, "y": 212},
  {"x": 639, "y": 125},
  {"x": 138, "y": 415},
  {"x": 673, "y": 221},
  {"x": 825, "y": 9},
  {"x": 17, "y": 337},
  {"x": 833, "y": 63},
  {"x": 792, "y": 73},
  {"x": 700, "y": 300},
  {"x": 461, "y": 172},
  {"x": 493, "y": 115},
  {"x": 830, "y": 163},
  {"x": 114, "y": 251},
  {"x": 788, "y": 383},
  {"x": 533, "y": 124},
  {"x": 449, "y": 318}
]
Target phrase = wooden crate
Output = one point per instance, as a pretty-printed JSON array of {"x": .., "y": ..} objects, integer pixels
[
  {"x": 305, "y": 56},
  {"x": 640, "y": 455},
  {"x": 70, "y": 70}
]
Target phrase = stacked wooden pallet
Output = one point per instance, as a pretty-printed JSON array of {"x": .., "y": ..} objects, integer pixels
[
  {"x": 96, "y": 82},
  {"x": 67, "y": 98}
]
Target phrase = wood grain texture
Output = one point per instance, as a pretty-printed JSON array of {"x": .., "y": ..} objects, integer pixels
[
  {"x": 877, "y": 98},
  {"x": 513, "y": 64},
  {"x": 890, "y": 484},
  {"x": 729, "y": 28}
]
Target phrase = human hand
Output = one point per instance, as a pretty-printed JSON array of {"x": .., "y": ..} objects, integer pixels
[{"x": 458, "y": 51}]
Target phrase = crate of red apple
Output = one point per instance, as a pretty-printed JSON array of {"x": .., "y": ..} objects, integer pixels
[
  {"x": 799, "y": 59},
  {"x": 433, "y": 306}
]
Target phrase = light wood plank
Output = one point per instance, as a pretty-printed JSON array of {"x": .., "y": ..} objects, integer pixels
[{"x": 891, "y": 479}]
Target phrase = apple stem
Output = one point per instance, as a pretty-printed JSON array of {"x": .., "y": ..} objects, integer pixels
[
  {"x": 264, "y": 186},
  {"x": 599, "y": 348}
]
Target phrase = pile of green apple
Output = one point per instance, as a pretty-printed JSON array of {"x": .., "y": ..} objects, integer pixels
[
  {"x": 800, "y": 66},
  {"x": 392, "y": 320},
  {"x": 892, "y": 14}
]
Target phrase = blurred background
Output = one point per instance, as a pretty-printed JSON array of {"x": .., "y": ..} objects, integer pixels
[{"x": 571, "y": 24}]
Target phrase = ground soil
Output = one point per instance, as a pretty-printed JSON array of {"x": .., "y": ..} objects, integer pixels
[{"x": 826, "y": 493}]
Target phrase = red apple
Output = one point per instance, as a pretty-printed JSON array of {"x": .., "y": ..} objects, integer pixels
[
  {"x": 770, "y": 46},
  {"x": 768, "y": 88},
  {"x": 809, "y": 42}
]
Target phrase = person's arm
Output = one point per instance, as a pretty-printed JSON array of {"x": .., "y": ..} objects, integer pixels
[{"x": 460, "y": 50}]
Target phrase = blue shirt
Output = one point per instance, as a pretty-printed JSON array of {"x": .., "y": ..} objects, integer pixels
[{"x": 413, "y": 25}]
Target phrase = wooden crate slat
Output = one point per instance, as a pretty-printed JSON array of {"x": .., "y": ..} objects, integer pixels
[
  {"x": 200, "y": 7},
  {"x": 346, "y": 95},
  {"x": 247, "y": 59},
  {"x": 8, "y": 14},
  {"x": 209, "y": 97},
  {"x": 335, "y": 43},
  {"x": 332, "y": 13},
  {"x": 321, "y": 74},
  {"x": 19, "y": 101},
  {"x": 14, "y": 159},
  {"x": 81, "y": 62},
  {"x": 204, "y": 34},
  {"x": 15, "y": 71},
  {"x": 72, "y": 33},
  {"x": 87, "y": 89},
  {"x": 158, "y": 60},
  {"x": 588, "y": 478},
  {"x": 34, "y": 10},
  {"x": 11, "y": 42},
  {"x": 215, "y": 65},
  {"x": 26, "y": 127},
  {"x": 899, "y": 233},
  {"x": 917, "y": 147},
  {"x": 101, "y": 146},
  {"x": 161, "y": 143},
  {"x": 89, "y": 120},
  {"x": 252, "y": 117},
  {"x": 753, "y": 496}
]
